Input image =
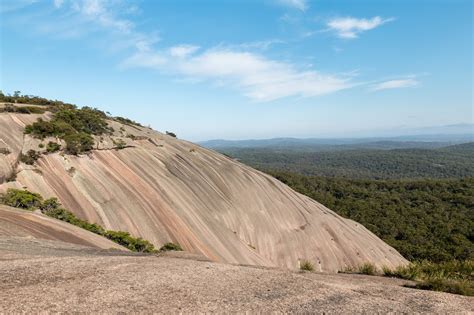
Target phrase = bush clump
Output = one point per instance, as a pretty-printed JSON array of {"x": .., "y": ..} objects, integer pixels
[
  {"x": 52, "y": 147},
  {"x": 367, "y": 269},
  {"x": 170, "y": 247},
  {"x": 306, "y": 265},
  {"x": 77, "y": 143},
  {"x": 171, "y": 134},
  {"x": 75, "y": 126},
  {"x": 119, "y": 144},
  {"x": 30, "y": 157},
  {"x": 22, "y": 199},
  {"x": 132, "y": 243}
]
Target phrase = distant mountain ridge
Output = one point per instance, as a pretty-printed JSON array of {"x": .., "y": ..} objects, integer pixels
[
  {"x": 401, "y": 142},
  {"x": 428, "y": 137}
]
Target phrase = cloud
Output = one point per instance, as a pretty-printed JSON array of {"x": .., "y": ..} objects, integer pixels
[
  {"x": 297, "y": 4},
  {"x": 349, "y": 27},
  {"x": 395, "y": 84},
  {"x": 242, "y": 67},
  {"x": 259, "y": 78},
  {"x": 58, "y": 3},
  {"x": 182, "y": 51}
]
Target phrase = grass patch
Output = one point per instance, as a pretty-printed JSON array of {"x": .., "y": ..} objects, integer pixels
[
  {"x": 452, "y": 276},
  {"x": 306, "y": 265},
  {"x": 367, "y": 269}
]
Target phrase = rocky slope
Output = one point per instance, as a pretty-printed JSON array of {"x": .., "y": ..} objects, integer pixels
[
  {"x": 164, "y": 189},
  {"x": 67, "y": 278},
  {"x": 26, "y": 224}
]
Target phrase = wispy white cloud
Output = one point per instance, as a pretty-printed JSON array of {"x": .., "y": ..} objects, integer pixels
[
  {"x": 183, "y": 51},
  {"x": 349, "y": 27},
  {"x": 259, "y": 78},
  {"x": 297, "y": 4},
  {"x": 58, "y": 3},
  {"x": 242, "y": 67},
  {"x": 101, "y": 12},
  {"x": 395, "y": 84}
]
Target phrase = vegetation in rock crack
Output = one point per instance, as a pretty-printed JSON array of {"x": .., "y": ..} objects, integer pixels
[
  {"x": 119, "y": 144},
  {"x": 27, "y": 200}
]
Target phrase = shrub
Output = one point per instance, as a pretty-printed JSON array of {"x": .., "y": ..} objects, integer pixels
[
  {"x": 171, "y": 134},
  {"x": 367, "y": 269},
  {"x": 306, "y": 265},
  {"x": 78, "y": 143},
  {"x": 126, "y": 240},
  {"x": 170, "y": 247},
  {"x": 22, "y": 199},
  {"x": 53, "y": 147},
  {"x": 30, "y": 157},
  {"x": 120, "y": 144},
  {"x": 64, "y": 215},
  {"x": 127, "y": 121}
]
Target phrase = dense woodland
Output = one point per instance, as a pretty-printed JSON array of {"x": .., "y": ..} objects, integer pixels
[
  {"x": 450, "y": 162},
  {"x": 423, "y": 219}
]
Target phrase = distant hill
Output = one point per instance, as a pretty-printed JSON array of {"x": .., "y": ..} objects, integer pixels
[{"x": 315, "y": 144}]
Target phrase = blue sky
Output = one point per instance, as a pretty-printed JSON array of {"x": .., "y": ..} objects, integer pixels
[{"x": 240, "y": 69}]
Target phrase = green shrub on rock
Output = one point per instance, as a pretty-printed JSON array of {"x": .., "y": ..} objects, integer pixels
[
  {"x": 77, "y": 143},
  {"x": 170, "y": 247},
  {"x": 22, "y": 199},
  {"x": 53, "y": 147},
  {"x": 30, "y": 157}
]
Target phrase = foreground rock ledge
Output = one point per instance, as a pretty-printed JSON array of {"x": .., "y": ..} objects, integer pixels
[{"x": 38, "y": 275}]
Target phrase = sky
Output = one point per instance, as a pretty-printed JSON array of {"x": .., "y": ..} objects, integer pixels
[{"x": 242, "y": 69}]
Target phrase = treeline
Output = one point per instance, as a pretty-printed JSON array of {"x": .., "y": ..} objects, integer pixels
[
  {"x": 423, "y": 219},
  {"x": 451, "y": 162},
  {"x": 17, "y": 97}
]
